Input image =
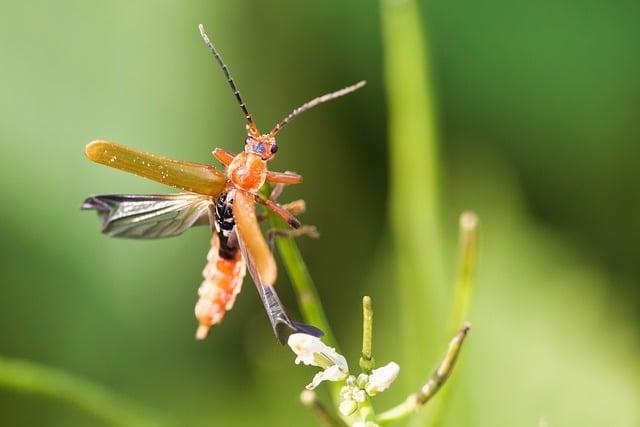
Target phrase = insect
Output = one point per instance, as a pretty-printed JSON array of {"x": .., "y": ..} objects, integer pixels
[{"x": 226, "y": 201}]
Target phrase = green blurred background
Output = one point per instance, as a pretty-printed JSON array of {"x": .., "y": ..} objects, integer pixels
[{"x": 538, "y": 107}]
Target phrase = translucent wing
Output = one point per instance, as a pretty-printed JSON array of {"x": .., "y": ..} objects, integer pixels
[
  {"x": 149, "y": 216},
  {"x": 188, "y": 176},
  {"x": 281, "y": 323}
]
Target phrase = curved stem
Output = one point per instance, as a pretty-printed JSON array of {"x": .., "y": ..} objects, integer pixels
[
  {"x": 467, "y": 243},
  {"x": 32, "y": 378},
  {"x": 418, "y": 399}
]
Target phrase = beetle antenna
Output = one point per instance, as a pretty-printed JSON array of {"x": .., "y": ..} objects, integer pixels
[
  {"x": 250, "y": 123},
  {"x": 316, "y": 101}
]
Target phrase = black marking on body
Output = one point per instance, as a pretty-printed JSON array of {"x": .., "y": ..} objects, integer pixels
[{"x": 225, "y": 224}]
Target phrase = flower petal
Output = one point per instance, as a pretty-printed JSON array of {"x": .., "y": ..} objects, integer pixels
[
  {"x": 311, "y": 351},
  {"x": 332, "y": 373},
  {"x": 381, "y": 378}
]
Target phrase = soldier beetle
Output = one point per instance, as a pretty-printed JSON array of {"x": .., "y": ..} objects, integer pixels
[{"x": 224, "y": 200}]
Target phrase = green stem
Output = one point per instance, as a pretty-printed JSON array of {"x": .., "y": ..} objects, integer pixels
[
  {"x": 435, "y": 382},
  {"x": 365, "y": 411},
  {"x": 463, "y": 289},
  {"x": 414, "y": 197},
  {"x": 467, "y": 242},
  {"x": 310, "y": 400},
  {"x": 367, "y": 363},
  {"x": 35, "y": 379}
]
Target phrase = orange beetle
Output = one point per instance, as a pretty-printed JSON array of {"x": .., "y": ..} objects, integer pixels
[{"x": 225, "y": 201}]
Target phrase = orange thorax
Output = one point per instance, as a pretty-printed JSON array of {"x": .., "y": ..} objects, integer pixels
[{"x": 247, "y": 171}]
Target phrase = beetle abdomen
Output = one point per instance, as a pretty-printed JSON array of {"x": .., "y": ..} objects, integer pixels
[{"x": 222, "y": 282}]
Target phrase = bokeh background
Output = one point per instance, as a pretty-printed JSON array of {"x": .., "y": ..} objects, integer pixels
[{"x": 537, "y": 105}]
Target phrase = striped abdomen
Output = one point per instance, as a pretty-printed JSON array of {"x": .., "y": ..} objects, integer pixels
[{"x": 223, "y": 273}]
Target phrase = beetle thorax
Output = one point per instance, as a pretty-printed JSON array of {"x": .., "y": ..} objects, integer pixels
[{"x": 247, "y": 171}]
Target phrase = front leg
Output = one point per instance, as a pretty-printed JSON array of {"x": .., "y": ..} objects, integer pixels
[
  {"x": 283, "y": 177},
  {"x": 225, "y": 157},
  {"x": 279, "y": 210}
]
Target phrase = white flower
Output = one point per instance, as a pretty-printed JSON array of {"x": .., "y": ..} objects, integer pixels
[
  {"x": 381, "y": 378},
  {"x": 311, "y": 351}
]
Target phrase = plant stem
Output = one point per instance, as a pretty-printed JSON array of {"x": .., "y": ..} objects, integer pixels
[
  {"x": 35, "y": 379},
  {"x": 310, "y": 400},
  {"x": 367, "y": 363},
  {"x": 418, "y": 399},
  {"x": 414, "y": 197},
  {"x": 463, "y": 288},
  {"x": 365, "y": 411}
]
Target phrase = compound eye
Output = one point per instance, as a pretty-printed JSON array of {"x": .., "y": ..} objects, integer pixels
[
  {"x": 259, "y": 148},
  {"x": 274, "y": 149}
]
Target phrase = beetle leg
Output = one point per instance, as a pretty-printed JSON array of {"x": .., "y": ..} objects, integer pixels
[
  {"x": 276, "y": 192},
  {"x": 283, "y": 177},
  {"x": 225, "y": 157},
  {"x": 305, "y": 230},
  {"x": 295, "y": 207},
  {"x": 280, "y": 210}
]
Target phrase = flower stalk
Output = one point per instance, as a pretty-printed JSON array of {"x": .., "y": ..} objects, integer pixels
[
  {"x": 463, "y": 287},
  {"x": 309, "y": 398},
  {"x": 418, "y": 399},
  {"x": 367, "y": 363}
]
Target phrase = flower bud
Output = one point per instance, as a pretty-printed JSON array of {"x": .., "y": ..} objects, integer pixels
[
  {"x": 347, "y": 407},
  {"x": 362, "y": 380}
]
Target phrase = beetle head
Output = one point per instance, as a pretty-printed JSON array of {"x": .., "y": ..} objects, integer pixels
[{"x": 261, "y": 145}]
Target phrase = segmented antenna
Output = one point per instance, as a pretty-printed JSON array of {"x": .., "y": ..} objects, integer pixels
[
  {"x": 232, "y": 83},
  {"x": 316, "y": 101}
]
